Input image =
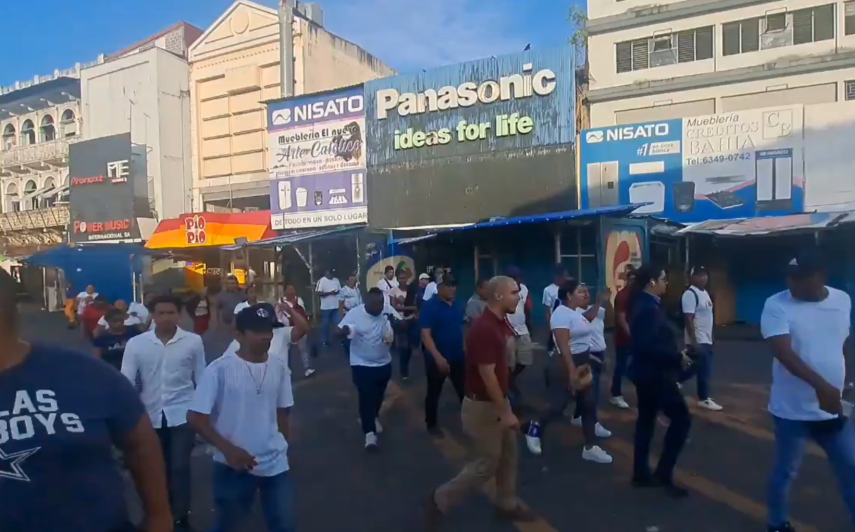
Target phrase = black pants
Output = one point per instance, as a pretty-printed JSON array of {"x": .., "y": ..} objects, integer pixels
[
  {"x": 177, "y": 444},
  {"x": 370, "y": 382},
  {"x": 654, "y": 396},
  {"x": 435, "y": 381}
]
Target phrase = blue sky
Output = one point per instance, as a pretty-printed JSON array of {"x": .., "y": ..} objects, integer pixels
[{"x": 406, "y": 34}]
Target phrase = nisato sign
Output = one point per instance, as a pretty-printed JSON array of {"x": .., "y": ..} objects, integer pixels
[{"x": 467, "y": 94}]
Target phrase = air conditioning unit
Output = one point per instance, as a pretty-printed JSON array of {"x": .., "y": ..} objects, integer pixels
[
  {"x": 663, "y": 50},
  {"x": 776, "y": 30}
]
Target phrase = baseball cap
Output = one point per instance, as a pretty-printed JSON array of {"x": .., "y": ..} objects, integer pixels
[
  {"x": 698, "y": 270},
  {"x": 513, "y": 272},
  {"x": 259, "y": 317},
  {"x": 447, "y": 280},
  {"x": 806, "y": 263},
  {"x": 424, "y": 276}
]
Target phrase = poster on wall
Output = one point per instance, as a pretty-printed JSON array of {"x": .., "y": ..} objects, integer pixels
[
  {"x": 317, "y": 160},
  {"x": 624, "y": 246},
  {"x": 734, "y": 165}
]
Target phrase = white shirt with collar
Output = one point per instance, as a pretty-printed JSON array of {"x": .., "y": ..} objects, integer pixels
[
  {"x": 386, "y": 286},
  {"x": 352, "y": 297},
  {"x": 140, "y": 310},
  {"x": 130, "y": 321},
  {"x": 82, "y": 300},
  {"x": 168, "y": 373},
  {"x": 430, "y": 291}
]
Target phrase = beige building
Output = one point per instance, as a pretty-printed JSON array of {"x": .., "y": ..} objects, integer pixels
[{"x": 234, "y": 68}]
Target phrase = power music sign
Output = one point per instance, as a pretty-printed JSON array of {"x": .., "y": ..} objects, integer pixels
[{"x": 509, "y": 88}]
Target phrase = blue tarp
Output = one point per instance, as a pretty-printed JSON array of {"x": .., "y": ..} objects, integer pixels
[{"x": 110, "y": 267}]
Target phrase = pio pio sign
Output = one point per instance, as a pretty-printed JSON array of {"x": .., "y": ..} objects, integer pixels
[{"x": 195, "y": 229}]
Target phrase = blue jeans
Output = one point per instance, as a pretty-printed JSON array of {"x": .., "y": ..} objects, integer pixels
[
  {"x": 704, "y": 371},
  {"x": 234, "y": 496},
  {"x": 622, "y": 356},
  {"x": 791, "y": 438},
  {"x": 329, "y": 318}
]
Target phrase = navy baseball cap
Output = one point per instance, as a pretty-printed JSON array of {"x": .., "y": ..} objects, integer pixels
[
  {"x": 806, "y": 263},
  {"x": 698, "y": 270},
  {"x": 260, "y": 317}
]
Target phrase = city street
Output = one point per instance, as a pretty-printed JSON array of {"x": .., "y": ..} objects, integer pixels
[{"x": 340, "y": 488}]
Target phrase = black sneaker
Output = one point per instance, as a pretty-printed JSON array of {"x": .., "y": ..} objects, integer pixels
[
  {"x": 182, "y": 525},
  {"x": 786, "y": 527}
]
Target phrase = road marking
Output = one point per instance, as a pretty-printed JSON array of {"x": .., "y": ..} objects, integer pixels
[
  {"x": 709, "y": 489},
  {"x": 454, "y": 451}
]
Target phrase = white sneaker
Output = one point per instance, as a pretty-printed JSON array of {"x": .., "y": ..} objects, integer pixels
[
  {"x": 679, "y": 385},
  {"x": 709, "y": 404},
  {"x": 377, "y": 426},
  {"x": 602, "y": 432},
  {"x": 619, "y": 402},
  {"x": 576, "y": 421},
  {"x": 533, "y": 445},
  {"x": 370, "y": 441},
  {"x": 309, "y": 372},
  {"x": 596, "y": 454}
]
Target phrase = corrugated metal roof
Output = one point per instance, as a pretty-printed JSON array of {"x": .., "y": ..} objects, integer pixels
[{"x": 295, "y": 238}]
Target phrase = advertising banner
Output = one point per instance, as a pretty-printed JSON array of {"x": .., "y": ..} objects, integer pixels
[
  {"x": 317, "y": 160},
  {"x": 492, "y": 137},
  {"x": 623, "y": 245},
  {"x": 734, "y": 165},
  {"x": 101, "y": 193}
]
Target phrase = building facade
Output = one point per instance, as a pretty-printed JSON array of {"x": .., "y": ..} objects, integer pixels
[
  {"x": 145, "y": 90},
  {"x": 38, "y": 121},
  {"x": 690, "y": 58},
  {"x": 234, "y": 69}
]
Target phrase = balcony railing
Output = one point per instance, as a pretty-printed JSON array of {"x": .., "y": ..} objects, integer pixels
[
  {"x": 35, "y": 153},
  {"x": 35, "y": 219}
]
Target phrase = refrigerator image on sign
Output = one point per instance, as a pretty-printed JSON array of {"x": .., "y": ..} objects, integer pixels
[
  {"x": 284, "y": 188},
  {"x": 603, "y": 184},
  {"x": 774, "y": 174}
]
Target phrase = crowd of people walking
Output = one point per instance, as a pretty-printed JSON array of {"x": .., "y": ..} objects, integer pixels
[{"x": 58, "y": 438}]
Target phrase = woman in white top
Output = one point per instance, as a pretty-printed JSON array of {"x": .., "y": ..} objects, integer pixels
[
  {"x": 595, "y": 315},
  {"x": 573, "y": 335}
]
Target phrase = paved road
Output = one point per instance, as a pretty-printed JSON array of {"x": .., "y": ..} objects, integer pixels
[{"x": 342, "y": 489}]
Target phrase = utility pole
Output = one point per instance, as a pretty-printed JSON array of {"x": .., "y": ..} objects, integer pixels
[{"x": 286, "y": 47}]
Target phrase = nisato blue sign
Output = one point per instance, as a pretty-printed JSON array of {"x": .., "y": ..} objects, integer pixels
[{"x": 736, "y": 165}]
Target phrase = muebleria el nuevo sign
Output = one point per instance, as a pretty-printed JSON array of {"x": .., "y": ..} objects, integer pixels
[{"x": 528, "y": 84}]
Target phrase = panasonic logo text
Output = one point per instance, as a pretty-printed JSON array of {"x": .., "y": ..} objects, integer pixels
[{"x": 637, "y": 132}]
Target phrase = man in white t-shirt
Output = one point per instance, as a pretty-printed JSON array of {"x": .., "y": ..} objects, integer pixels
[
  {"x": 242, "y": 407},
  {"x": 432, "y": 287},
  {"x": 521, "y": 322},
  {"x": 698, "y": 315},
  {"x": 140, "y": 310},
  {"x": 806, "y": 327},
  {"x": 550, "y": 296},
  {"x": 388, "y": 282},
  {"x": 327, "y": 289},
  {"x": 85, "y": 297},
  {"x": 371, "y": 335}
]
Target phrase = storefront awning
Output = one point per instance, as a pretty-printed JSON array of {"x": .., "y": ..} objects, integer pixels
[
  {"x": 617, "y": 210},
  {"x": 295, "y": 238},
  {"x": 772, "y": 225},
  {"x": 210, "y": 229}
]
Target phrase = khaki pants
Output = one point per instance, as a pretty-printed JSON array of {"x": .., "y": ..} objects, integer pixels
[{"x": 493, "y": 454}]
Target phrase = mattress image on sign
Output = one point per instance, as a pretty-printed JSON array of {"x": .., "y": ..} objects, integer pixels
[{"x": 652, "y": 192}]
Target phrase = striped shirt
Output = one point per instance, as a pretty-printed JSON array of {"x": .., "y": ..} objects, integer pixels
[{"x": 242, "y": 399}]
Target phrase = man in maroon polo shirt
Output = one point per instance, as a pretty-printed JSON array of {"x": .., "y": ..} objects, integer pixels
[{"x": 486, "y": 413}]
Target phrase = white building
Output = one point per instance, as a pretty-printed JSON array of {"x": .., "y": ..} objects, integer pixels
[
  {"x": 684, "y": 58},
  {"x": 145, "y": 89}
]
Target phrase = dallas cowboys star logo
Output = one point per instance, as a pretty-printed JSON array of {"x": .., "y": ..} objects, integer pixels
[{"x": 13, "y": 470}]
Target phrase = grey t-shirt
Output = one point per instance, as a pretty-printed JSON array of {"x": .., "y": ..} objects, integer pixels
[
  {"x": 475, "y": 307},
  {"x": 226, "y": 302}
]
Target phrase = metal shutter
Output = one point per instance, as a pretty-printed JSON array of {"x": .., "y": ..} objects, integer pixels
[
  {"x": 640, "y": 57},
  {"x": 730, "y": 35},
  {"x": 849, "y": 90},
  {"x": 686, "y": 46},
  {"x": 802, "y": 26},
  {"x": 704, "y": 43},
  {"x": 750, "y": 34},
  {"x": 624, "y": 57},
  {"x": 823, "y": 23}
]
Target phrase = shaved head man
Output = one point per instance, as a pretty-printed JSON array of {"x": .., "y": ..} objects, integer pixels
[{"x": 486, "y": 413}]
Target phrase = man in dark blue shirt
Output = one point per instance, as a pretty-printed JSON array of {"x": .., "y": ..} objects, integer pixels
[
  {"x": 441, "y": 322},
  {"x": 61, "y": 413},
  {"x": 110, "y": 344}
]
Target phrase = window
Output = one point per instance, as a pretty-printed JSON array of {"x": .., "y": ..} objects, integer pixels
[
  {"x": 775, "y": 30},
  {"x": 849, "y": 18},
  {"x": 663, "y": 50},
  {"x": 849, "y": 90}
]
